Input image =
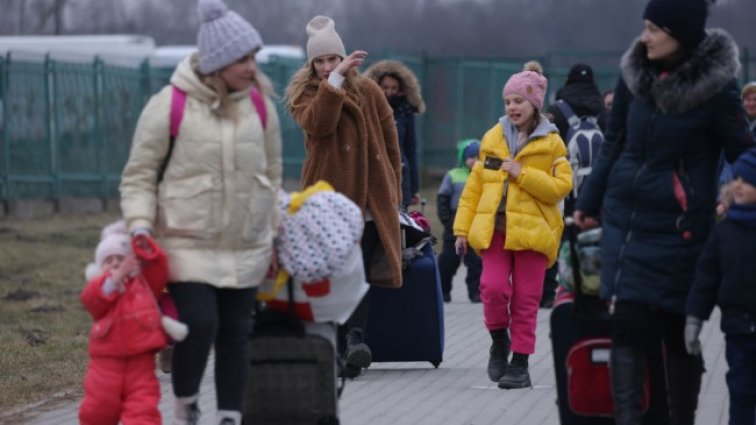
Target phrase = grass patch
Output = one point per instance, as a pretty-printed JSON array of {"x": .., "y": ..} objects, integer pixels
[{"x": 44, "y": 327}]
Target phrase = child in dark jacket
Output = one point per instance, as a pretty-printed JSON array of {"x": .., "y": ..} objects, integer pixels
[
  {"x": 447, "y": 200},
  {"x": 120, "y": 385},
  {"x": 726, "y": 276}
]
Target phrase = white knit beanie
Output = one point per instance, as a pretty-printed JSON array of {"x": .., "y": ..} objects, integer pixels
[
  {"x": 114, "y": 240},
  {"x": 224, "y": 37},
  {"x": 323, "y": 38}
]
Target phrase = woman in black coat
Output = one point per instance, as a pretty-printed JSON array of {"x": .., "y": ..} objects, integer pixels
[
  {"x": 402, "y": 90},
  {"x": 654, "y": 185}
]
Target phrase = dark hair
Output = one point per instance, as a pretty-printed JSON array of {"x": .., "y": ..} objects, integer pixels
[{"x": 393, "y": 75}]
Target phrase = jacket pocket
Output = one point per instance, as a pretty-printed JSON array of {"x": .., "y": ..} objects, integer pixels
[
  {"x": 260, "y": 207},
  {"x": 683, "y": 192},
  {"x": 101, "y": 329},
  {"x": 147, "y": 319},
  {"x": 187, "y": 208}
]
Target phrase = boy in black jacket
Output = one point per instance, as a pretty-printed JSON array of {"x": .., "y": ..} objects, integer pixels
[{"x": 726, "y": 276}]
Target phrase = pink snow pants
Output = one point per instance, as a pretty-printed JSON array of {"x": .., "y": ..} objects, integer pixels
[{"x": 510, "y": 287}]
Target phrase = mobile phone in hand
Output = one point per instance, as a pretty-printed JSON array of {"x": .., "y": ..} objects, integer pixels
[{"x": 492, "y": 163}]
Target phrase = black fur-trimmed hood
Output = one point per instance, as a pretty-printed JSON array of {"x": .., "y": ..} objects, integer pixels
[{"x": 713, "y": 64}]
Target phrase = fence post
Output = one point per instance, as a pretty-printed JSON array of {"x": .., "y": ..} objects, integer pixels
[
  {"x": 5, "y": 120},
  {"x": 458, "y": 96},
  {"x": 52, "y": 120},
  {"x": 145, "y": 75},
  {"x": 101, "y": 145},
  {"x": 424, "y": 88}
]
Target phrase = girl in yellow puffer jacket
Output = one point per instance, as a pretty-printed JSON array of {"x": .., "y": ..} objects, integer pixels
[{"x": 510, "y": 214}]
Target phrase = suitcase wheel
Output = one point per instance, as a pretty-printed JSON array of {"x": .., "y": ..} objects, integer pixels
[{"x": 435, "y": 364}]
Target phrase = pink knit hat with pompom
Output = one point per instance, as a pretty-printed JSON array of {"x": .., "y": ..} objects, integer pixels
[{"x": 530, "y": 84}]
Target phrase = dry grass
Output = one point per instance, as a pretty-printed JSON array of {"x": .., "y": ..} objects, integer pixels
[{"x": 43, "y": 327}]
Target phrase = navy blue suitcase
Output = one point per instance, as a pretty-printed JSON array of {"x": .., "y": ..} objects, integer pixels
[{"x": 407, "y": 324}]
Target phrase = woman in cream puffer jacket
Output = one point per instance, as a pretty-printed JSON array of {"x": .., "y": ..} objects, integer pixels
[{"x": 213, "y": 211}]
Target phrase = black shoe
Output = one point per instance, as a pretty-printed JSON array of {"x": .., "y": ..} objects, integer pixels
[
  {"x": 498, "y": 354},
  {"x": 358, "y": 353},
  {"x": 350, "y": 372},
  {"x": 515, "y": 377},
  {"x": 475, "y": 298},
  {"x": 447, "y": 298}
]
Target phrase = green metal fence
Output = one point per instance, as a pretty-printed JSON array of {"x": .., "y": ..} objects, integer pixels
[{"x": 66, "y": 128}]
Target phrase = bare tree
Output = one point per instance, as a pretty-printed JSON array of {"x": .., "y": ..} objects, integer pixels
[
  {"x": 49, "y": 11},
  {"x": 22, "y": 16}
]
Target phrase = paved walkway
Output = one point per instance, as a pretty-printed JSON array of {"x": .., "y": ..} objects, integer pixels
[{"x": 458, "y": 393}]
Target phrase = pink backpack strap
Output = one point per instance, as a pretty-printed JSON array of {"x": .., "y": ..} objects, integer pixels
[
  {"x": 259, "y": 103},
  {"x": 178, "y": 102}
]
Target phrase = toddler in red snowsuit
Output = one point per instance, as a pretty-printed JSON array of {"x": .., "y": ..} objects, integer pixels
[{"x": 123, "y": 284}]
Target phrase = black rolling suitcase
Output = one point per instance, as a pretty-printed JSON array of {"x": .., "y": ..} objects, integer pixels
[
  {"x": 586, "y": 341},
  {"x": 291, "y": 379},
  {"x": 581, "y": 344}
]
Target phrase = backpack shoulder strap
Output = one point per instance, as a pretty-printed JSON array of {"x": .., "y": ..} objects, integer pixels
[
  {"x": 178, "y": 103},
  {"x": 569, "y": 114},
  {"x": 259, "y": 103}
]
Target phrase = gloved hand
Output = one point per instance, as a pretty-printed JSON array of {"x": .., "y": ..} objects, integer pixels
[{"x": 692, "y": 331}]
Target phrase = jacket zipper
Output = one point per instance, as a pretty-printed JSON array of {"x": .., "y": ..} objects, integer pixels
[{"x": 628, "y": 237}]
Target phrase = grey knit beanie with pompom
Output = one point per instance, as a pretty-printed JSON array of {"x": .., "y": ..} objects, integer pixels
[{"x": 224, "y": 37}]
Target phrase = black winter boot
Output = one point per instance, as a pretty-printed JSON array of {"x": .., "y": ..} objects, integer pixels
[
  {"x": 684, "y": 382},
  {"x": 499, "y": 354},
  {"x": 358, "y": 354},
  {"x": 627, "y": 365},
  {"x": 517, "y": 375}
]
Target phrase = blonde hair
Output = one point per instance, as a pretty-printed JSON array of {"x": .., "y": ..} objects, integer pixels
[
  {"x": 306, "y": 79},
  {"x": 227, "y": 107},
  {"x": 748, "y": 89}
]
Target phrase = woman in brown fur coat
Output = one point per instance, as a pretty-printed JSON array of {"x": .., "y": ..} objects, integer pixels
[{"x": 351, "y": 142}]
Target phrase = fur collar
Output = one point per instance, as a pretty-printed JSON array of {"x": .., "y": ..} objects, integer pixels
[
  {"x": 377, "y": 70},
  {"x": 713, "y": 64}
]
